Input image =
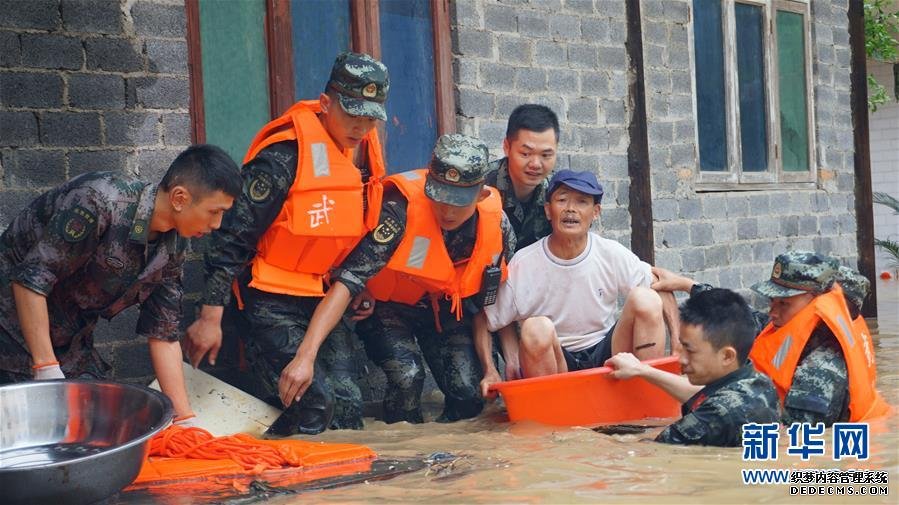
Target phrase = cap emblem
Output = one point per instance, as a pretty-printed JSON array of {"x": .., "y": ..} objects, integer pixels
[
  {"x": 775, "y": 274},
  {"x": 370, "y": 90},
  {"x": 452, "y": 175}
]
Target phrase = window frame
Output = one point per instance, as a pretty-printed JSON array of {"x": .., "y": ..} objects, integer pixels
[
  {"x": 734, "y": 178},
  {"x": 364, "y": 37}
]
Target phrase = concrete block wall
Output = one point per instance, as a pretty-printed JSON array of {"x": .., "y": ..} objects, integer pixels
[
  {"x": 566, "y": 54},
  {"x": 730, "y": 238},
  {"x": 884, "y": 128},
  {"x": 91, "y": 85}
]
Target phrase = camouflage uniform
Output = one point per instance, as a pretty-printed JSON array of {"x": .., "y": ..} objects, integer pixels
[
  {"x": 278, "y": 323},
  {"x": 86, "y": 246},
  {"x": 715, "y": 415},
  {"x": 528, "y": 218},
  {"x": 855, "y": 289},
  {"x": 397, "y": 335},
  {"x": 820, "y": 388}
]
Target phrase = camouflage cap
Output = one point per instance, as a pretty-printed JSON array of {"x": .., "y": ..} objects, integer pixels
[
  {"x": 855, "y": 285},
  {"x": 361, "y": 83},
  {"x": 457, "y": 169},
  {"x": 798, "y": 272}
]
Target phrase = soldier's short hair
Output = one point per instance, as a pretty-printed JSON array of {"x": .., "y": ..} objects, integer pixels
[
  {"x": 203, "y": 168},
  {"x": 725, "y": 318},
  {"x": 532, "y": 117}
]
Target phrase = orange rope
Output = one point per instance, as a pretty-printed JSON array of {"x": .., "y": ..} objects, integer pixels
[{"x": 196, "y": 443}]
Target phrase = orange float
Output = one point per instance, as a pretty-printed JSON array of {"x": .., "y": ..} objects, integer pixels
[{"x": 589, "y": 397}]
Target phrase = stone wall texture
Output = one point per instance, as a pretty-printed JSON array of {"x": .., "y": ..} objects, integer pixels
[
  {"x": 91, "y": 85},
  {"x": 103, "y": 85}
]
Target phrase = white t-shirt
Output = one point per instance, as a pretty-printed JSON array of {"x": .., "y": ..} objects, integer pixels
[{"x": 579, "y": 295}]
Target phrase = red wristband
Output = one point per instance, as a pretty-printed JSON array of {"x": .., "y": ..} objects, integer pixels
[{"x": 44, "y": 365}]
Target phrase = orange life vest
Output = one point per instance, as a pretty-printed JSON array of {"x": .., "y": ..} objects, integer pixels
[
  {"x": 421, "y": 263},
  {"x": 322, "y": 219},
  {"x": 776, "y": 352}
]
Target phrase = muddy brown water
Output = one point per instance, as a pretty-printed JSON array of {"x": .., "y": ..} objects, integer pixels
[{"x": 503, "y": 462}]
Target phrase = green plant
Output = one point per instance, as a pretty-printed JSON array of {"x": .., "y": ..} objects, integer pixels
[
  {"x": 881, "y": 30},
  {"x": 888, "y": 245}
]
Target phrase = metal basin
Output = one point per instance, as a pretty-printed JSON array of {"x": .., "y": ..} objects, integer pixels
[{"x": 75, "y": 441}]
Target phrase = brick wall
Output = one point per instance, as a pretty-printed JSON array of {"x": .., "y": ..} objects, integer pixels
[
  {"x": 90, "y": 85},
  {"x": 570, "y": 55},
  {"x": 567, "y": 55}
]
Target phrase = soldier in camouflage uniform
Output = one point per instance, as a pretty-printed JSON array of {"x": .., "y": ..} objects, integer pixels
[
  {"x": 352, "y": 105},
  {"x": 820, "y": 387},
  {"x": 855, "y": 289},
  {"x": 96, "y": 245},
  {"x": 717, "y": 332},
  {"x": 397, "y": 335},
  {"x": 532, "y": 137}
]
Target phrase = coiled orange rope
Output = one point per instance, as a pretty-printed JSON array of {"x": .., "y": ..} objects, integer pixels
[{"x": 255, "y": 456}]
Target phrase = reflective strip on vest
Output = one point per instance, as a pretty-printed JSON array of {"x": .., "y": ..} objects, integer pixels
[
  {"x": 494, "y": 259},
  {"x": 781, "y": 355},
  {"x": 419, "y": 252},
  {"x": 411, "y": 175},
  {"x": 321, "y": 165},
  {"x": 846, "y": 330}
]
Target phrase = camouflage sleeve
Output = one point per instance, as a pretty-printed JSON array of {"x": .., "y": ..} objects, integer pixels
[
  {"x": 373, "y": 252},
  {"x": 160, "y": 313},
  {"x": 266, "y": 181},
  {"x": 820, "y": 389},
  {"x": 510, "y": 241},
  {"x": 72, "y": 235},
  {"x": 710, "y": 424}
]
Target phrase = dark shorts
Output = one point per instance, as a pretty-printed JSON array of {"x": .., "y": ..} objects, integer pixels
[{"x": 591, "y": 357}]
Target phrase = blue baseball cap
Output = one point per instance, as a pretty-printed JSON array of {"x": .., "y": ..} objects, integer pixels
[{"x": 585, "y": 182}]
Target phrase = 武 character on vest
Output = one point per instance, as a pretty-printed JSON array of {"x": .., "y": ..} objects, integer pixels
[
  {"x": 717, "y": 331},
  {"x": 96, "y": 245},
  {"x": 441, "y": 233},
  {"x": 306, "y": 202}
]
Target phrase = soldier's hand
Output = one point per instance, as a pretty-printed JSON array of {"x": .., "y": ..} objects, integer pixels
[
  {"x": 363, "y": 305},
  {"x": 204, "y": 335},
  {"x": 490, "y": 377},
  {"x": 666, "y": 280},
  {"x": 295, "y": 379},
  {"x": 625, "y": 365}
]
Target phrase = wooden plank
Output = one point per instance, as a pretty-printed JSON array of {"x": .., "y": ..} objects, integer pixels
[
  {"x": 443, "y": 67},
  {"x": 639, "y": 170},
  {"x": 366, "y": 27},
  {"x": 195, "y": 71},
  {"x": 280, "y": 55},
  {"x": 864, "y": 198}
]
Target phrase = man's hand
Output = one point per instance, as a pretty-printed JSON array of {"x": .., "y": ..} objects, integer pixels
[
  {"x": 48, "y": 371},
  {"x": 363, "y": 305},
  {"x": 490, "y": 377},
  {"x": 670, "y": 281},
  {"x": 187, "y": 421},
  {"x": 625, "y": 365},
  {"x": 204, "y": 335},
  {"x": 295, "y": 379}
]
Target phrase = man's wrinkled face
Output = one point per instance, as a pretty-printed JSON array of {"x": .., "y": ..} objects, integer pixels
[
  {"x": 532, "y": 156},
  {"x": 199, "y": 216},
  {"x": 346, "y": 130},
  {"x": 782, "y": 310},
  {"x": 571, "y": 212}
]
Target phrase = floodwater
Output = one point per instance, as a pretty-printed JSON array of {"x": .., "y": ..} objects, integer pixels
[{"x": 503, "y": 462}]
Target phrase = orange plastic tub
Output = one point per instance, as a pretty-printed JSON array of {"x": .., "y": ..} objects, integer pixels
[{"x": 588, "y": 397}]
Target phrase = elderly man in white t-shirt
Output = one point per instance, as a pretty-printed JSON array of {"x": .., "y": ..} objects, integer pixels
[{"x": 563, "y": 292}]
